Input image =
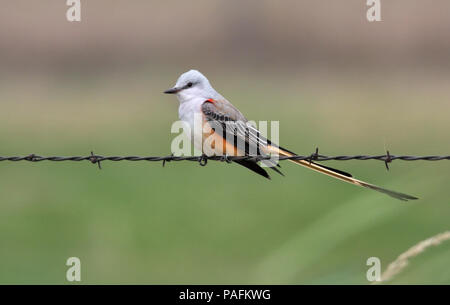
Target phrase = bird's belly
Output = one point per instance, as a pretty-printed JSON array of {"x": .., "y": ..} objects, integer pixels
[
  {"x": 215, "y": 144},
  {"x": 191, "y": 116},
  {"x": 205, "y": 140}
]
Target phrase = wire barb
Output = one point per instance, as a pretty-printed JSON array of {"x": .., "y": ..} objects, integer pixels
[
  {"x": 166, "y": 160},
  {"x": 95, "y": 159},
  {"x": 314, "y": 156},
  {"x": 387, "y": 160},
  {"x": 203, "y": 160},
  {"x": 31, "y": 157},
  {"x": 225, "y": 158}
]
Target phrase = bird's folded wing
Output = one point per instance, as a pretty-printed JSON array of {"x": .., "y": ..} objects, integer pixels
[
  {"x": 224, "y": 117},
  {"x": 221, "y": 115}
]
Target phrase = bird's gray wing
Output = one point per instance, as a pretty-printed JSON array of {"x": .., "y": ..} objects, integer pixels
[{"x": 222, "y": 115}]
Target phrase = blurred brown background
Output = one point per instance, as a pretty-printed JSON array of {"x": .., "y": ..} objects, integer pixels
[{"x": 255, "y": 34}]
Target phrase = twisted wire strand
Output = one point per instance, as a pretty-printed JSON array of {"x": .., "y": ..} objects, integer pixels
[{"x": 387, "y": 158}]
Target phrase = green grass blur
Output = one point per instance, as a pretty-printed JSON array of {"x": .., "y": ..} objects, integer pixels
[{"x": 219, "y": 224}]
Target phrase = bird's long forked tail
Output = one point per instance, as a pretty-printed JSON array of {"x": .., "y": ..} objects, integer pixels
[{"x": 339, "y": 174}]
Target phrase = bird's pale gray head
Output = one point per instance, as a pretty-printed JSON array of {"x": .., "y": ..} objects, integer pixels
[{"x": 192, "y": 83}]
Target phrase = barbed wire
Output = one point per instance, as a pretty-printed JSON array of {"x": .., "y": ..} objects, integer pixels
[{"x": 202, "y": 160}]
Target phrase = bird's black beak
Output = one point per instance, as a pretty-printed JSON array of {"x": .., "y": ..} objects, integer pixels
[{"x": 172, "y": 90}]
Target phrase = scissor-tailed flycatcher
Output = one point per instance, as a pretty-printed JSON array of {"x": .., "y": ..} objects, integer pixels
[{"x": 198, "y": 99}]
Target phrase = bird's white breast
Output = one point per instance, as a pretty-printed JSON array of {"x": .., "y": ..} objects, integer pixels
[{"x": 190, "y": 114}]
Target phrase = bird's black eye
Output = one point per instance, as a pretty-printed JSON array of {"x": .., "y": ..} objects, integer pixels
[{"x": 189, "y": 85}]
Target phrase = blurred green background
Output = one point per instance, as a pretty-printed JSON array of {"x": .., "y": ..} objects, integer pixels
[{"x": 332, "y": 79}]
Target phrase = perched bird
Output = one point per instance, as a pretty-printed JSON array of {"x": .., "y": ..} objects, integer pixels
[{"x": 199, "y": 99}]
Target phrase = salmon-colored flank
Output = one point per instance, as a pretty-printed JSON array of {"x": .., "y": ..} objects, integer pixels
[{"x": 216, "y": 141}]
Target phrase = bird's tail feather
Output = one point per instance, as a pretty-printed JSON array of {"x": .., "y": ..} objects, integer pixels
[
  {"x": 339, "y": 174},
  {"x": 254, "y": 167}
]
